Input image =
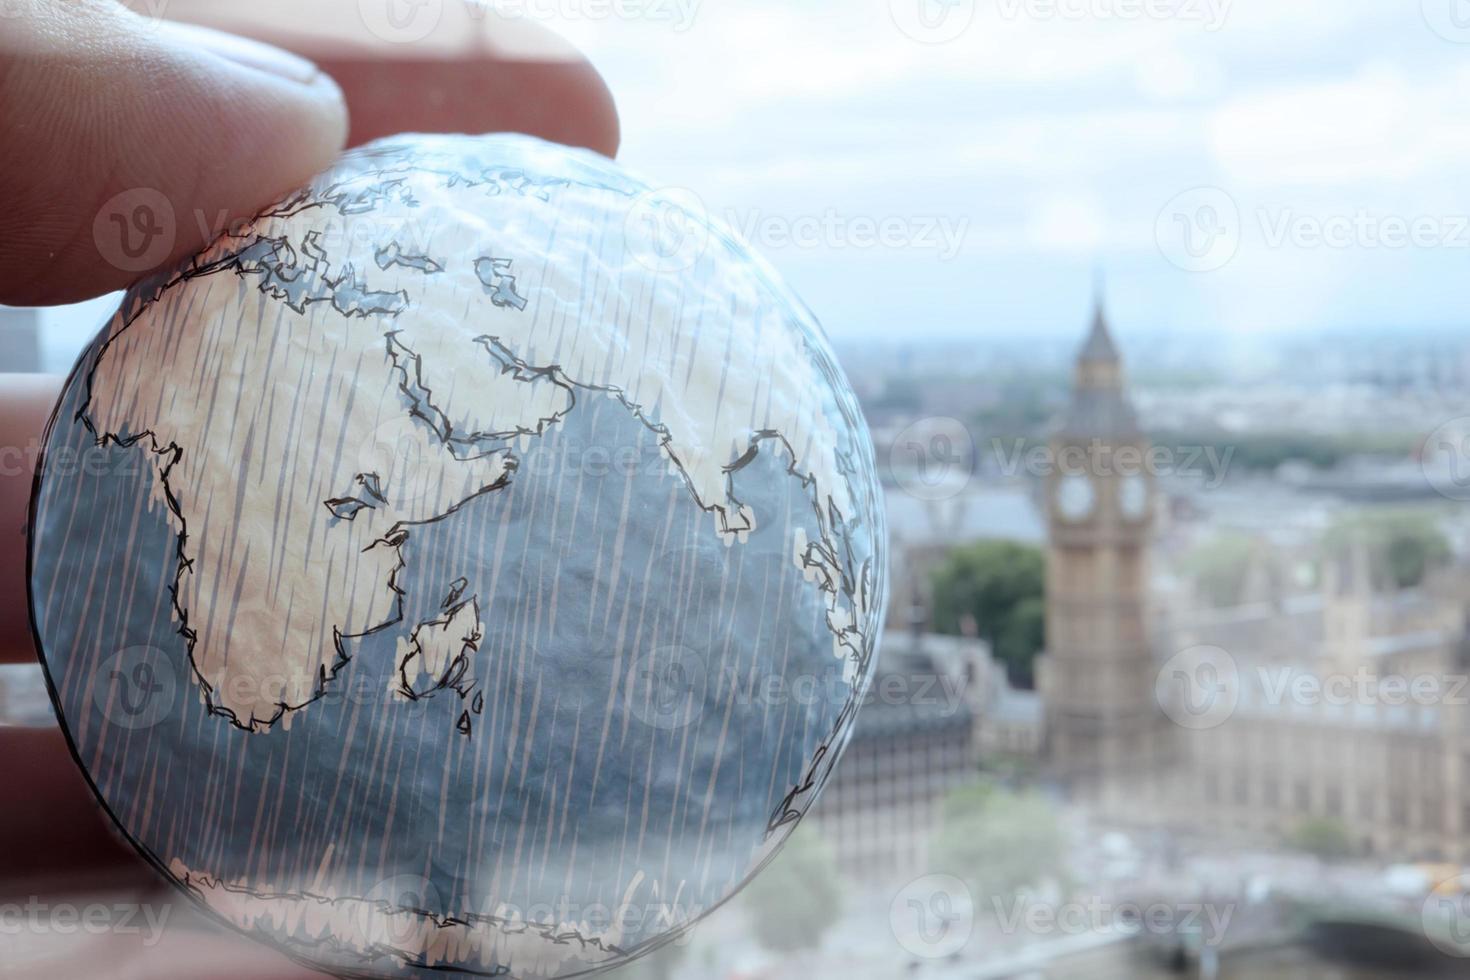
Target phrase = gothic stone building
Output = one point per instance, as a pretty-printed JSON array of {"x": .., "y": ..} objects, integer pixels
[{"x": 1342, "y": 703}]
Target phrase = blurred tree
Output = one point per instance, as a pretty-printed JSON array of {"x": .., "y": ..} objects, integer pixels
[
  {"x": 1326, "y": 838},
  {"x": 1402, "y": 545},
  {"x": 1218, "y": 567},
  {"x": 998, "y": 841},
  {"x": 795, "y": 900},
  {"x": 1000, "y": 584}
]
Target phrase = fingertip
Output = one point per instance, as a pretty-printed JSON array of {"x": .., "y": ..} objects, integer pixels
[
  {"x": 146, "y": 141},
  {"x": 444, "y": 68}
]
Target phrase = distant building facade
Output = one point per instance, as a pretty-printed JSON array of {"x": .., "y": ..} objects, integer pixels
[
  {"x": 937, "y": 706},
  {"x": 1343, "y": 702}
]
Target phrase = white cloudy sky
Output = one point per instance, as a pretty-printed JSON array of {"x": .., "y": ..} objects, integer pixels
[
  {"x": 1040, "y": 136},
  {"x": 1056, "y": 132}
]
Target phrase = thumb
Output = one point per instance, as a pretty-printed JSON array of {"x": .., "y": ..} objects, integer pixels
[{"x": 126, "y": 142}]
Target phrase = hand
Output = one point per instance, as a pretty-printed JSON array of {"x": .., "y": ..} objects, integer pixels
[{"x": 96, "y": 101}]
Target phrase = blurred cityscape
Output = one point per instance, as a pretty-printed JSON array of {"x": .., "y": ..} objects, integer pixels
[{"x": 1175, "y": 677}]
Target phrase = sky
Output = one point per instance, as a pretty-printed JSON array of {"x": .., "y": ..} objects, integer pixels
[
  {"x": 940, "y": 168},
  {"x": 946, "y": 166}
]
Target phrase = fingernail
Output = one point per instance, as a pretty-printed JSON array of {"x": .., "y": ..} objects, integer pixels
[{"x": 244, "y": 51}]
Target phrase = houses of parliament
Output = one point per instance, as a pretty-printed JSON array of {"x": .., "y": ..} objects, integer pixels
[
  {"x": 1344, "y": 701},
  {"x": 1336, "y": 699}
]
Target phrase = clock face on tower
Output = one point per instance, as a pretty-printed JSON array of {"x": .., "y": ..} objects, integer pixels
[
  {"x": 1075, "y": 496},
  {"x": 1133, "y": 497}
]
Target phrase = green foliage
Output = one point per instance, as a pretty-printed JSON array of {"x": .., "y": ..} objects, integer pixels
[
  {"x": 797, "y": 897},
  {"x": 1218, "y": 567},
  {"x": 1326, "y": 838},
  {"x": 1402, "y": 545},
  {"x": 1000, "y": 584},
  {"x": 998, "y": 841}
]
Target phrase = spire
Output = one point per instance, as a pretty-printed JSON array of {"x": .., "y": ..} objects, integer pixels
[
  {"x": 1100, "y": 405},
  {"x": 1099, "y": 345}
]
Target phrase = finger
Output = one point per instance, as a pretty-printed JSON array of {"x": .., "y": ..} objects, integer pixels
[
  {"x": 440, "y": 66},
  {"x": 56, "y": 835},
  {"x": 126, "y": 143},
  {"x": 25, "y": 405}
]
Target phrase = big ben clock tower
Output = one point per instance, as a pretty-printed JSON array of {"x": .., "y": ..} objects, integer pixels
[{"x": 1104, "y": 729}]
